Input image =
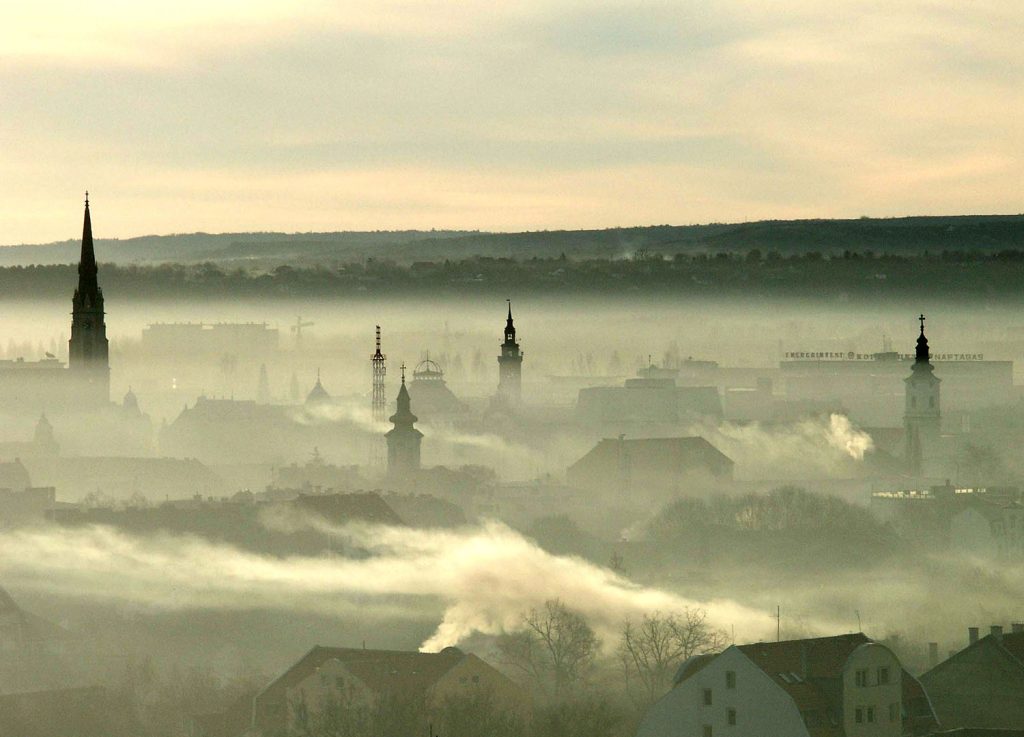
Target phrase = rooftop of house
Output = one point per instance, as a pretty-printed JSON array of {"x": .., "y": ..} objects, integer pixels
[
  {"x": 810, "y": 671},
  {"x": 679, "y": 451},
  {"x": 383, "y": 671}
]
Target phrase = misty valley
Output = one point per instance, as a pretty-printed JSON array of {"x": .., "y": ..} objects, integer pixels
[{"x": 499, "y": 511}]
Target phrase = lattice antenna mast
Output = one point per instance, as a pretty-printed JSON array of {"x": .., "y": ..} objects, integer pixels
[{"x": 378, "y": 362}]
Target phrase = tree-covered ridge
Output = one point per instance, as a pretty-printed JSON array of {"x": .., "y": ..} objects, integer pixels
[
  {"x": 909, "y": 235},
  {"x": 854, "y": 275}
]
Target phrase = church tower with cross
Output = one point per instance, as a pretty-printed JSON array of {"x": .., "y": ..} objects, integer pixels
[
  {"x": 403, "y": 439},
  {"x": 510, "y": 365},
  {"x": 922, "y": 417},
  {"x": 88, "y": 348}
]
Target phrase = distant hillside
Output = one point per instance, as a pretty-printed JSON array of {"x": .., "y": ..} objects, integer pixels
[{"x": 985, "y": 233}]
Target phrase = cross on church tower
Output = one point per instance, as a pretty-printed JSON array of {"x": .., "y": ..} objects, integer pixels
[{"x": 921, "y": 318}]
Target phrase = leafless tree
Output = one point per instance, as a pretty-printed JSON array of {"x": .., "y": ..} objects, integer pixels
[
  {"x": 652, "y": 650},
  {"x": 555, "y": 649}
]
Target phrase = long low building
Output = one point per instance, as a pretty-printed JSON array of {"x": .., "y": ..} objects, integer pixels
[{"x": 871, "y": 385}]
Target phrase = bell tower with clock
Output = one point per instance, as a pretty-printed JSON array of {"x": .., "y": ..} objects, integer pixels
[{"x": 88, "y": 348}]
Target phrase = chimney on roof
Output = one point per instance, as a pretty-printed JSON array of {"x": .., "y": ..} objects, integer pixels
[
  {"x": 1017, "y": 627},
  {"x": 972, "y": 635},
  {"x": 933, "y": 654},
  {"x": 996, "y": 631}
]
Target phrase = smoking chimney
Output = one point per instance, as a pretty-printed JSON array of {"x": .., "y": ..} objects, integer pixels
[
  {"x": 996, "y": 631},
  {"x": 933, "y": 654},
  {"x": 972, "y": 635}
]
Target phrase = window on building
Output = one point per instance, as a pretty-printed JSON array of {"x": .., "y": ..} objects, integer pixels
[
  {"x": 708, "y": 732},
  {"x": 707, "y": 697},
  {"x": 913, "y": 402},
  {"x": 883, "y": 675},
  {"x": 861, "y": 677},
  {"x": 871, "y": 715},
  {"x": 894, "y": 712},
  {"x": 858, "y": 715},
  {"x": 931, "y": 402},
  {"x": 730, "y": 679},
  {"x": 731, "y": 717}
]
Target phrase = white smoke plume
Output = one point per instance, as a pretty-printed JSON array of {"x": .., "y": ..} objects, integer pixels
[
  {"x": 478, "y": 580},
  {"x": 807, "y": 449},
  {"x": 842, "y": 436}
]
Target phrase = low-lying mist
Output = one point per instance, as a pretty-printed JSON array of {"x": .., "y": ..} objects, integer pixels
[{"x": 477, "y": 580}]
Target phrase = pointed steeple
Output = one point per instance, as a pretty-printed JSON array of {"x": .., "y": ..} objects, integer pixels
[
  {"x": 403, "y": 416},
  {"x": 403, "y": 439},
  {"x": 510, "y": 328},
  {"x": 510, "y": 364},
  {"x": 922, "y": 354},
  {"x": 317, "y": 393},
  {"x": 88, "y": 348},
  {"x": 88, "y": 285}
]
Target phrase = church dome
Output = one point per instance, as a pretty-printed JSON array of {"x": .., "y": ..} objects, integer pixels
[{"x": 427, "y": 370}]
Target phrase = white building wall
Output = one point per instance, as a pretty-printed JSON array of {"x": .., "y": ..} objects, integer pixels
[
  {"x": 761, "y": 707},
  {"x": 872, "y": 691}
]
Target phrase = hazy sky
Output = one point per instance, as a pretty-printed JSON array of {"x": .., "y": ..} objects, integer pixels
[{"x": 299, "y": 115}]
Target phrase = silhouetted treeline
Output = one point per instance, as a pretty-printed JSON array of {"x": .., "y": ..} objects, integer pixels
[
  {"x": 865, "y": 274},
  {"x": 892, "y": 235}
]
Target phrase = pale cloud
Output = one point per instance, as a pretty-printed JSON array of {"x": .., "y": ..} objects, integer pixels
[{"x": 314, "y": 114}]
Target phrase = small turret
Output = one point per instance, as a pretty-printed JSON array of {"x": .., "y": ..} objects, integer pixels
[{"x": 403, "y": 439}]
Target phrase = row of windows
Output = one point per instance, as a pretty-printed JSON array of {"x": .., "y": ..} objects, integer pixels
[
  {"x": 866, "y": 714},
  {"x": 881, "y": 676},
  {"x": 730, "y": 718}
]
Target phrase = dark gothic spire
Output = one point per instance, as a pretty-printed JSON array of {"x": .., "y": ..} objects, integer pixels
[
  {"x": 403, "y": 416},
  {"x": 88, "y": 286}
]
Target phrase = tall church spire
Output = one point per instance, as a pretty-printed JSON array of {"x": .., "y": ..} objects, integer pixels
[
  {"x": 88, "y": 349},
  {"x": 510, "y": 328},
  {"x": 510, "y": 365},
  {"x": 88, "y": 284},
  {"x": 922, "y": 355},
  {"x": 922, "y": 414},
  {"x": 403, "y": 439}
]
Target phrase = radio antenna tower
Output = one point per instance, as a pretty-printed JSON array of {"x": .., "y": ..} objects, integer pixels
[{"x": 378, "y": 362}]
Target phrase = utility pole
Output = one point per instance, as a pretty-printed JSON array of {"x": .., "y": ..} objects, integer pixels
[{"x": 778, "y": 623}]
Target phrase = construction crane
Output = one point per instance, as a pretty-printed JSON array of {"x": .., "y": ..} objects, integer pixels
[{"x": 297, "y": 329}]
